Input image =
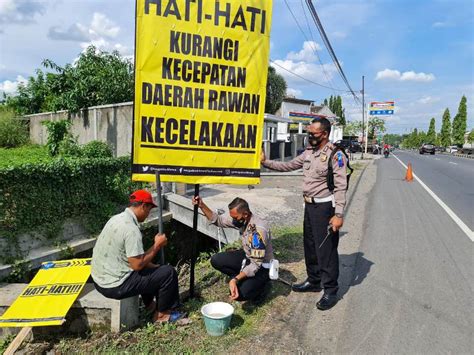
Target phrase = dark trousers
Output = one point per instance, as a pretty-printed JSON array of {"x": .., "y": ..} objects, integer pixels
[
  {"x": 230, "y": 263},
  {"x": 322, "y": 264},
  {"x": 160, "y": 282}
]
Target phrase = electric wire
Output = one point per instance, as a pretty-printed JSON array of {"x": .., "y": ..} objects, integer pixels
[
  {"x": 325, "y": 39},
  {"x": 306, "y": 79},
  {"x": 307, "y": 39},
  {"x": 328, "y": 77}
]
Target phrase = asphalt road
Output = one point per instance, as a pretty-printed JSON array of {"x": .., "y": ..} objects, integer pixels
[
  {"x": 417, "y": 296},
  {"x": 450, "y": 178}
]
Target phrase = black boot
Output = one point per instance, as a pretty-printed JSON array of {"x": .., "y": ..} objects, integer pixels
[
  {"x": 306, "y": 286},
  {"x": 327, "y": 301}
]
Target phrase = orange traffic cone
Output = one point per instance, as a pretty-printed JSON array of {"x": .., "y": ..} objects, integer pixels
[{"x": 409, "y": 175}]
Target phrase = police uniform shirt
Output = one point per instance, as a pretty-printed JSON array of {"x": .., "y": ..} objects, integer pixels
[
  {"x": 315, "y": 169},
  {"x": 256, "y": 241}
]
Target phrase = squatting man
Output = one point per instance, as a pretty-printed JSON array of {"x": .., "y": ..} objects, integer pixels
[{"x": 249, "y": 267}]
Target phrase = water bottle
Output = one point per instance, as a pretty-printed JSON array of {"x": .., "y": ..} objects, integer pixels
[{"x": 274, "y": 266}]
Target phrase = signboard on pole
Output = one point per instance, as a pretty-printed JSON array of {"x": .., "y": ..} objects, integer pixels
[
  {"x": 381, "y": 108},
  {"x": 200, "y": 85},
  {"x": 48, "y": 297}
]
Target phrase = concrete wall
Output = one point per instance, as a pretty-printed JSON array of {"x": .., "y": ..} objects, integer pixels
[{"x": 107, "y": 123}]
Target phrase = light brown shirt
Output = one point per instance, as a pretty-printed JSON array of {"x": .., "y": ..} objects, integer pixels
[
  {"x": 256, "y": 241},
  {"x": 315, "y": 169}
]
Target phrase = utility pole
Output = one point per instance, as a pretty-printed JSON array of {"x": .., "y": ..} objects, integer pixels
[{"x": 363, "y": 119}]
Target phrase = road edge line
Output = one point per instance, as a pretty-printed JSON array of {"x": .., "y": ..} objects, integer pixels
[{"x": 449, "y": 211}]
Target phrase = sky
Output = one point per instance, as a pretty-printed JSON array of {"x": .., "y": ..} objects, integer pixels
[{"x": 418, "y": 53}]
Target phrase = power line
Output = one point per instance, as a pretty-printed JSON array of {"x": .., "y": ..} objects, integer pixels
[
  {"x": 306, "y": 79},
  {"x": 328, "y": 78},
  {"x": 325, "y": 39},
  {"x": 312, "y": 45}
]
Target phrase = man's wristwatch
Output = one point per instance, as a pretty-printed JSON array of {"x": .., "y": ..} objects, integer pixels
[{"x": 339, "y": 215}]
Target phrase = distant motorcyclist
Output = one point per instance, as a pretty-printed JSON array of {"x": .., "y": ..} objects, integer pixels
[{"x": 386, "y": 150}]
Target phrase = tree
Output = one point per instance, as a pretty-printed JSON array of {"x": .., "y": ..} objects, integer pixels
[
  {"x": 445, "y": 134},
  {"x": 276, "y": 91},
  {"x": 470, "y": 137},
  {"x": 96, "y": 78},
  {"x": 393, "y": 139},
  {"x": 353, "y": 128},
  {"x": 335, "y": 105},
  {"x": 460, "y": 123},
  {"x": 376, "y": 125},
  {"x": 431, "y": 135}
]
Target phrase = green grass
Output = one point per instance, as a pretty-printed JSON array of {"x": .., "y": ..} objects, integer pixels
[
  {"x": 211, "y": 286},
  {"x": 24, "y": 154}
]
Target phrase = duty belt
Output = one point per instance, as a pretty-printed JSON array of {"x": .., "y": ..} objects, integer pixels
[{"x": 308, "y": 199}]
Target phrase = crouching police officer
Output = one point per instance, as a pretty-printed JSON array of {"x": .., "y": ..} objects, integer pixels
[
  {"x": 248, "y": 268},
  {"x": 324, "y": 205}
]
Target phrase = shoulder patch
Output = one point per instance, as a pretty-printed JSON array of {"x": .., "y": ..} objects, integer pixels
[{"x": 340, "y": 159}]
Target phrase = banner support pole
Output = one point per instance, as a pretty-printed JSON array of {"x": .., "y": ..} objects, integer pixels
[
  {"x": 194, "y": 244},
  {"x": 160, "y": 212}
]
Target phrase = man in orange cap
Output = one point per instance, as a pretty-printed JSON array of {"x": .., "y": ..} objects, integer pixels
[{"x": 121, "y": 268}]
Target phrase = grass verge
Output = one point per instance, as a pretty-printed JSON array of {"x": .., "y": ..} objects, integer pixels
[{"x": 211, "y": 286}]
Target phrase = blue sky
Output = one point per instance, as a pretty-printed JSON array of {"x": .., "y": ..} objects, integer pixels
[{"x": 418, "y": 53}]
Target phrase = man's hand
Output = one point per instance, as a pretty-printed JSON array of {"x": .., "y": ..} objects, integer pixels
[
  {"x": 336, "y": 222},
  {"x": 160, "y": 240},
  {"x": 197, "y": 201},
  {"x": 234, "y": 291},
  {"x": 262, "y": 156}
]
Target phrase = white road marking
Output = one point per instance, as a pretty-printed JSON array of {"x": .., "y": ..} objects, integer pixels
[
  {"x": 449, "y": 211},
  {"x": 437, "y": 159},
  {"x": 451, "y": 162}
]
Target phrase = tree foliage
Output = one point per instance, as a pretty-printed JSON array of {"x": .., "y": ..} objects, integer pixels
[
  {"x": 276, "y": 91},
  {"x": 470, "y": 137},
  {"x": 393, "y": 139},
  {"x": 13, "y": 132},
  {"x": 460, "y": 123},
  {"x": 431, "y": 135},
  {"x": 445, "y": 134},
  {"x": 95, "y": 78},
  {"x": 335, "y": 105}
]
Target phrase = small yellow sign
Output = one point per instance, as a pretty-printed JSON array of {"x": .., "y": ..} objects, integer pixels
[{"x": 48, "y": 297}]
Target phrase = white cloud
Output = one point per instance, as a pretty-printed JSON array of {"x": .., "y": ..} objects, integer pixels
[
  {"x": 100, "y": 33},
  {"x": 338, "y": 35},
  {"x": 307, "y": 53},
  {"x": 428, "y": 100},
  {"x": 304, "y": 70},
  {"x": 293, "y": 92},
  {"x": 19, "y": 12},
  {"x": 10, "y": 87},
  {"x": 412, "y": 76},
  {"x": 440, "y": 24},
  {"x": 390, "y": 74}
]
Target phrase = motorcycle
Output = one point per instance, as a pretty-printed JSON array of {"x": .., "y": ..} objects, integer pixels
[{"x": 386, "y": 153}]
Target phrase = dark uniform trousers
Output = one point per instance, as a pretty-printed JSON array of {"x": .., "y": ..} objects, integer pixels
[
  {"x": 230, "y": 263},
  {"x": 322, "y": 264}
]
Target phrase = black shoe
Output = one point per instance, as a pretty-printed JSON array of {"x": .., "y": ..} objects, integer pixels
[
  {"x": 306, "y": 286},
  {"x": 327, "y": 301}
]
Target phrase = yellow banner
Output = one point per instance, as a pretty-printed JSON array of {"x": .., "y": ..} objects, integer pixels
[
  {"x": 48, "y": 297},
  {"x": 200, "y": 85}
]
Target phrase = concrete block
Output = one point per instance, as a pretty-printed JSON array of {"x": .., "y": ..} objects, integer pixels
[
  {"x": 90, "y": 311},
  {"x": 182, "y": 209}
]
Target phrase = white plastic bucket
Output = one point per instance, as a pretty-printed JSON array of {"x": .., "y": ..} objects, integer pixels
[{"x": 217, "y": 317}]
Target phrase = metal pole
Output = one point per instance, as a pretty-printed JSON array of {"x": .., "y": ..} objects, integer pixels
[
  {"x": 194, "y": 244},
  {"x": 160, "y": 213},
  {"x": 363, "y": 119}
]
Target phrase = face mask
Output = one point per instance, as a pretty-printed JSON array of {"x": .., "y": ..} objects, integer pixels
[
  {"x": 238, "y": 223},
  {"x": 314, "y": 141}
]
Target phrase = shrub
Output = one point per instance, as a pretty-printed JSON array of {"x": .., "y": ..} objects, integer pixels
[
  {"x": 57, "y": 131},
  {"x": 13, "y": 132},
  {"x": 40, "y": 197},
  {"x": 96, "y": 149}
]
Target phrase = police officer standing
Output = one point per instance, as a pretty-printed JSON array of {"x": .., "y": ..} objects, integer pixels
[{"x": 323, "y": 214}]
